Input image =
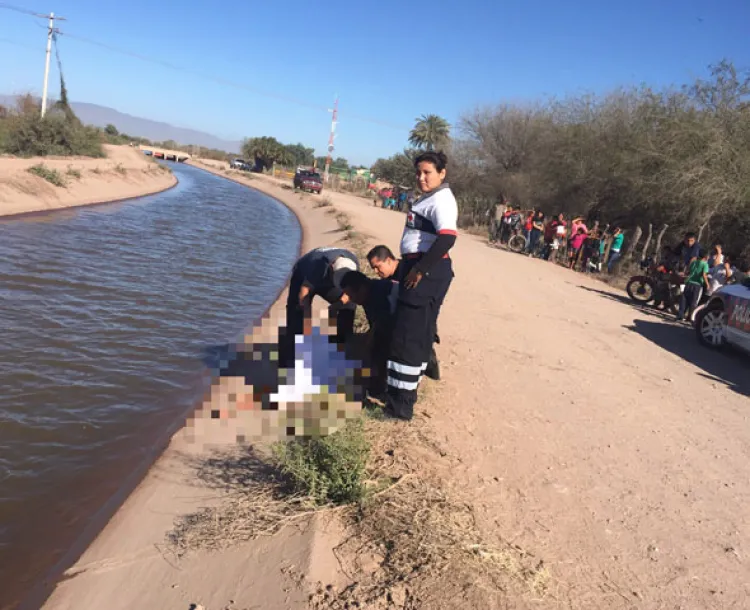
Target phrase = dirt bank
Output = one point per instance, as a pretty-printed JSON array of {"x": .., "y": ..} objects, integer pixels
[
  {"x": 76, "y": 181},
  {"x": 592, "y": 438}
]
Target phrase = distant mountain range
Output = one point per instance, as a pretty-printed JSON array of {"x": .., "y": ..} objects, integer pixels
[{"x": 101, "y": 116}]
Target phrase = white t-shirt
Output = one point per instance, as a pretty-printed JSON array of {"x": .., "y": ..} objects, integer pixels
[
  {"x": 433, "y": 214},
  {"x": 717, "y": 278}
]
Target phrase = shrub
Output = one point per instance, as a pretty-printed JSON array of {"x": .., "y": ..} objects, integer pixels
[
  {"x": 24, "y": 133},
  {"x": 330, "y": 469},
  {"x": 50, "y": 175},
  {"x": 120, "y": 169}
]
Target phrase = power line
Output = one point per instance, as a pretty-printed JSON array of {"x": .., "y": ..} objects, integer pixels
[
  {"x": 19, "y": 9},
  {"x": 226, "y": 82},
  {"x": 197, "y": 73},
  {"x": 210, "y": 77}
]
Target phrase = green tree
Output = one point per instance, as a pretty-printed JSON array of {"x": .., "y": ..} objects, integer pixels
[
  {"x": 299, "y": 154},
  {"x": 337, "y": 163},
  {"x": 398, "y": 169},
  {"x": 266, "y": 151},
  {"x": 430, "y": 132},
  {"x": 111, "y": 130},
  {"x": 340, "y": 163}
]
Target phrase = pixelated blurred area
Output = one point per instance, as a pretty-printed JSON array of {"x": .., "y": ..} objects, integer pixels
[{"x": 252, "y": 399}]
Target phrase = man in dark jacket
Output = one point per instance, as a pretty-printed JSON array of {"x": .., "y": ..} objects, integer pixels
[
  {"x": 378, "y": 298},
  {"x": 319, "y": 272}
]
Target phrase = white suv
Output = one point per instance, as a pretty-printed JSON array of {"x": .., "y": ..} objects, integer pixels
[{"x": 726, "y": 318}]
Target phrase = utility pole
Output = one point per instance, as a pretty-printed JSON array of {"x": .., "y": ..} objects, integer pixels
[
  {"x": 331, "y": 138},
  {"x": 51, "y": 31}
]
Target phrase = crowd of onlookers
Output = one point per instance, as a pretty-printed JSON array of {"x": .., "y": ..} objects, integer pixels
[
  {"x": 395, "y": 198},
  {"x": 699, "y": 271},
  {"x": 555, "y": 239}
]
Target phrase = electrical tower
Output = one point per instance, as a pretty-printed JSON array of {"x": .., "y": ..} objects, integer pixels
[{"x": 331, "y": 138}]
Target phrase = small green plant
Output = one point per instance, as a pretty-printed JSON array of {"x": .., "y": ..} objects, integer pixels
[
  {"x": 72, "y": 172},
  {"x": 50, "y": 175},
  {"x": 331, "y": 469},
  {"x": 96, "y": 170},
  {"x": 120, "y": 169}
]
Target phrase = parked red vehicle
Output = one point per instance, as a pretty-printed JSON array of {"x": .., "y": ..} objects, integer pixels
[{"x": 308, "y": 181}]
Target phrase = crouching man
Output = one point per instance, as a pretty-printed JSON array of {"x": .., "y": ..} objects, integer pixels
[
  {"x": 378, "y": 299},
  {"x": 319, "y": 272}
]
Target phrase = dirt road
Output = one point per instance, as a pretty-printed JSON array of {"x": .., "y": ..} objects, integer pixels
[{"x": 599, "y": 438}]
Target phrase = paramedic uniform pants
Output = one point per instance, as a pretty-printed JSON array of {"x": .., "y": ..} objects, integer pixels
[{"x": 413, "y": 334}]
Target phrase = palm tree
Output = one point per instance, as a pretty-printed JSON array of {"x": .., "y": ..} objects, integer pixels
[
  {"x": 266, "y": 151},
  {"x": 430, "y": 132}
]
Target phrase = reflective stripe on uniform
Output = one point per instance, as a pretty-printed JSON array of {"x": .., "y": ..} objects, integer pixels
[
  {"x": 401, "y": 384},
  {"x": 405, "y": 369}
]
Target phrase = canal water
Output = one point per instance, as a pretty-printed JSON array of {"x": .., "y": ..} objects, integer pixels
[{"x": 107, "y": 313}]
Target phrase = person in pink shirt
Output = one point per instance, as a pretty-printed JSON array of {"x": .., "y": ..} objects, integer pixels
[
  {"x": 575, "y": 245},
  {"x": 576, "y": 224}
]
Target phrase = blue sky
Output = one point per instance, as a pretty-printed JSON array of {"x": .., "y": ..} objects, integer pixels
[{"x": 389, "y": 61}]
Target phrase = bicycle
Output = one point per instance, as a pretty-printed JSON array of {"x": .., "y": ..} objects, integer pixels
[{"x": 517, "y": 243}]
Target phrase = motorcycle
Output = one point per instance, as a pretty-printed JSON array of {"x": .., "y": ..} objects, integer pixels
[{"x": 658, "y": 284}]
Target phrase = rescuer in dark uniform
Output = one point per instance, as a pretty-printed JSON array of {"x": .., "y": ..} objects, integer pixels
[
  {"x": 378, "y": 298},
  {"x": 318, "y": 272},
  {"x": 427, "y": 272},
  {"x": 387, "y": 266}
]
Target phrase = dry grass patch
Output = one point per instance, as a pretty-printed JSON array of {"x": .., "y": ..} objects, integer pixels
[
  {"x": 264, "y": 492},
  {"x": 72, "y": 172},
  {"x": 256, "y": 501}
]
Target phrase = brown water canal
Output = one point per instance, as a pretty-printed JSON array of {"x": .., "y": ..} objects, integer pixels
[{"x": 108, "y": 315}]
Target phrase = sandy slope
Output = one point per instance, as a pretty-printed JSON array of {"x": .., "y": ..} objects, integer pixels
[
  {"x": 599, "y": 438},
  {"x": 123, "y": 174}
]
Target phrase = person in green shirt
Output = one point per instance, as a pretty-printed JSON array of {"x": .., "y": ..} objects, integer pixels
[
  {"x": 615, "y": 250},
  {"x": 696, "y": 282}
]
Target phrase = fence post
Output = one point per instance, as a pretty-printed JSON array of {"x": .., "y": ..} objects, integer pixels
[
  {"x": 644, "y": 252},
  {"x": 657, "y": 253},
  {"x": 702, "y": 228},
  {"x": 633, "y": 244}
]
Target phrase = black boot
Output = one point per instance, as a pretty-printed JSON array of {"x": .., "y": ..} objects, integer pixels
[{"x": 433, "y": 367}]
